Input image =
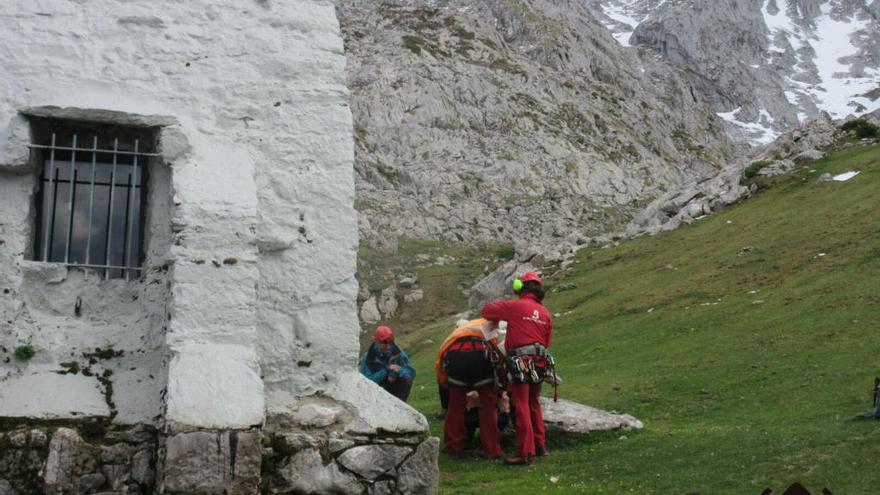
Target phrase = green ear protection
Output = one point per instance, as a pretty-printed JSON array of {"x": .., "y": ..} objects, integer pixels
[{"x": 517, "y": 285}]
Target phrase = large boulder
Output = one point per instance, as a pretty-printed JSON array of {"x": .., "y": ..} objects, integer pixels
[
  {"x": 388, "y": 302},
  {"x": 571, "y": 417},
  {"x": 370, "y": 311},
  {"x": 497, "y": 283}
]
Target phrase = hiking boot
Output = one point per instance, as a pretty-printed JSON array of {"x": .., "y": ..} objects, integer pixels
[
  {"x": 520, "y": 460},
  {"x": 541, "y": 451}
]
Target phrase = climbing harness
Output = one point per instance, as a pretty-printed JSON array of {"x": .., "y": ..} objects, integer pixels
[{"x": 527, "y": 364}]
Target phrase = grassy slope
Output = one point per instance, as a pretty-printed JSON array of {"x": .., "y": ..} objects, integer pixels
[
  {"x": 445, "y": 271},
  {"x": 739, "y": 391}
]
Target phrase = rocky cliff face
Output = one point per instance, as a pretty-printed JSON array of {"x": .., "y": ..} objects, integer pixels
[
  {"x": 789, "y": 151},
  {"x": 766, "y": 66},
  {"x": 513, "y": 120}
]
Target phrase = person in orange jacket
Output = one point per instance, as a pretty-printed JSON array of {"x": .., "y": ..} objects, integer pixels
[
  {"x": 463, "y": 364},
  {"x": 529, "y": 328}
]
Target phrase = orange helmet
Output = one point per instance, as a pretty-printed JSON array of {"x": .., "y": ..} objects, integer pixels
[{"x": 383, "y": 334}]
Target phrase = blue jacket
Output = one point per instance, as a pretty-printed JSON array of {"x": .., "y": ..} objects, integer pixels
[{"x": 374, "y": 365}]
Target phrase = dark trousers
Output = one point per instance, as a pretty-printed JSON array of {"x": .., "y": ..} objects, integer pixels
[
  {"x": 529, "y": 419},
  {"x": 400, "y": 388}
]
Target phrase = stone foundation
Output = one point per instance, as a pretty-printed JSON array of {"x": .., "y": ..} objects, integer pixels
[
  {"x": 77, "y": 459},
  {"x": 321, "y": 461},
  {"x": 90, "y": 457}
]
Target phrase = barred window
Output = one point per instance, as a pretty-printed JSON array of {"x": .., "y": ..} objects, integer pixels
[{"x": 92, "y": 191}]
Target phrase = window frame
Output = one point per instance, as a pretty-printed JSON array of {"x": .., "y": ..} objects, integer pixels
[{"x": 136, "y": 144}]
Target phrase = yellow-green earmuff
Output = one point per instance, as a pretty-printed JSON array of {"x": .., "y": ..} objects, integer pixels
[{"x": 517, "y": 285}]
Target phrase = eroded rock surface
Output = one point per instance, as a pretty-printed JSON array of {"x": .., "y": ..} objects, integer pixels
[
  {"x": 518, "y": 121},
  {"x": 572, "y": 417}
]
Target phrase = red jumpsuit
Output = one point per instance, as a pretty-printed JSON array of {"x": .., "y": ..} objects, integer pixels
[{"x": 528, "y": 322}]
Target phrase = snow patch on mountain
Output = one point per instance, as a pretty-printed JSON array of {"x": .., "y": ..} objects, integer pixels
[
  {"x": 845, "y": 176},
  {"x": 760, "y": 132},
  {"x": 822, "y": 47},
  {"x": 789, "y": 59},
  {"x": 624, "y": 20}
]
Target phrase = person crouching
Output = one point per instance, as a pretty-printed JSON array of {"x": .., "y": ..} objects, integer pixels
[
  {"x": 464, "y": 365},
  {"x": 388, "y": 365}
]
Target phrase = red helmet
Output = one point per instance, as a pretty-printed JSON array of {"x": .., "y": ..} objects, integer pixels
[
  {"x": 383, "y": 334},
  {"x": 530, "y": 277}
]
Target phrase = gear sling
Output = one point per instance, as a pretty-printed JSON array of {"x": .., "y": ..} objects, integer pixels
[{"x": 531, "y": 364}]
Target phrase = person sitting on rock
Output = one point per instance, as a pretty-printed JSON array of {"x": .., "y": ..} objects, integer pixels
[{"x": 386, "y": 364}]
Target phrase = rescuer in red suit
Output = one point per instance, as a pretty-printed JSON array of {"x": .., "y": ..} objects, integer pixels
[
  {"x": 529, "y": 327},
  {"x": 464, "y": 364}
]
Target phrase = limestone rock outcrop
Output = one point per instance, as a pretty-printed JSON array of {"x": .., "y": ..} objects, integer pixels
[
  {"x": 698, "y": 198},
  {"x": 523, "y": 122},
  {"x": 766, "y": 66}
]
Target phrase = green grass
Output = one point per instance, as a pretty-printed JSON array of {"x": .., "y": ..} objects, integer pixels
[
  {"x": 445, "y": 283},
  {"x": 742, "y": 363}
]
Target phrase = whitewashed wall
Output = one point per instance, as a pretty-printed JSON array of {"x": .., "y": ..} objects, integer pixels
[{"x": 258, "y": 143}]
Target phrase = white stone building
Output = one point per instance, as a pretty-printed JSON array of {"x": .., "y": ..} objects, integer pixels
[{"x": 177, "y": 256}]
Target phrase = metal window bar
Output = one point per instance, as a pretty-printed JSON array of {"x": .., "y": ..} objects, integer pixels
[
  {"x": 91, "y": 199},
  {"x": 54, "y": 199},
  {"x": 46, "y": 238},
  {"x": 89, "y": 150},
  {"x": 125, "y": 231},
  {"x": 132, "y": 179},
  {"x": 131, "y": 217},
  {"x": 110, "y": 208},
  {"x": 72, "y": 196}
]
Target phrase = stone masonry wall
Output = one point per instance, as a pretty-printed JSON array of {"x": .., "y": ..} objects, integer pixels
[
  {"x": 77, "y": 459},
  {"x": 91, "y": 457}
]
